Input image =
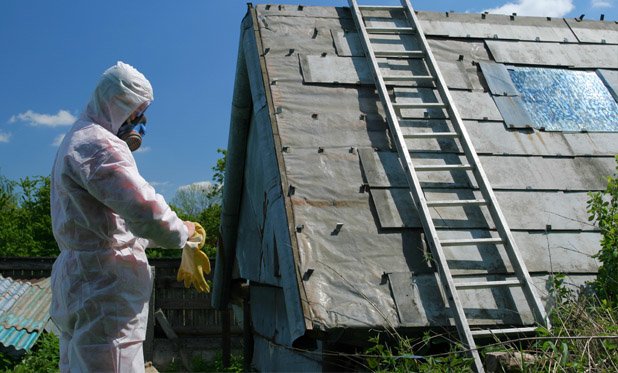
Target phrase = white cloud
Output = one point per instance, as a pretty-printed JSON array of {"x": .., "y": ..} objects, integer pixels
[
  {"x": 143, "y": 149},
  {"x": 5, "y": 137},
  {"x": 199, "y": 185},
  {"x": 602, "y": 3},
  {"x": 544, "y": 8},
  {"x": 159, "y": 183},
  {"x": 62, "y": 118},
  {"x": 58, "y": 139}
]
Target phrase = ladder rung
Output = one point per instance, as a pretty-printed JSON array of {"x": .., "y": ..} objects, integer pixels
[
  {"x": 490, "y": 332},
  {"x": 471, "y": 241},
  {"x": 379, "y": 7},
  {"x": 410, "y": 78},
  {"x": 455, "y": 202},
  {"x": 443, "y": 167},
  {"x": 399, "y": 54},
  {"x": 390, "y": 30},
  {"x": 430, "y": 135},
  {"x": 486, "y": 284},
  {"x": 419, "y": 105}
]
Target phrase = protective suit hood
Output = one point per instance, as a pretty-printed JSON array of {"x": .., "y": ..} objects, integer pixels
[{"x": 121, "y": 90}]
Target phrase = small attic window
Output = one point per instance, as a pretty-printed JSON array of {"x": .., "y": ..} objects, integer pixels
[{"x": 565, "y": 100}]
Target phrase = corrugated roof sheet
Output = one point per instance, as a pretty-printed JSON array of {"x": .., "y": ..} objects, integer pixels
[{"x": 24, "y": 311}]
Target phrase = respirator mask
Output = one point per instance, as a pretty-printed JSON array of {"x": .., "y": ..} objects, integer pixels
[{"x": 132, "y": 131}]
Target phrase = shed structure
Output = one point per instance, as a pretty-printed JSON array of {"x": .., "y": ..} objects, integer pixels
[{"x": 317, "y": 215}]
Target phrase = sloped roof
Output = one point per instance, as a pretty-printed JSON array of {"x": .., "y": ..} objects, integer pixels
[
  {"x": 24, "y": 311},
  {"x": 358, "y": 243}
]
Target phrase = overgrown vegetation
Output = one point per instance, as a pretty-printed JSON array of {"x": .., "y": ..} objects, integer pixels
[
  {"x": 25, "y": 221},
  {"x": 199, "y": 364},
  {"x": 417, "y": 355},
  {"x": 202, "y": 205},
  {"x": 43, "y": 358},
  {"x": 584, "y": 333},
  {"x": 603, "y": 210}
]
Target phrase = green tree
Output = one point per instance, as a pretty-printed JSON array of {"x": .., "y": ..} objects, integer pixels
[
  {"x": 201, "y": 205},
  {"x": 603, "y": 210},
  {"x": 25, "y": 221}
]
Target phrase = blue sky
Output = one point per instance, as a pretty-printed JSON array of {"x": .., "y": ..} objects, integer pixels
[{"x": 53, "y": 53}]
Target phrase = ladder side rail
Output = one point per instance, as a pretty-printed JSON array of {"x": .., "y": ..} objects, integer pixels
[
  {"x": 494, "y": 208},
  {"x": 415, "y": 188}
]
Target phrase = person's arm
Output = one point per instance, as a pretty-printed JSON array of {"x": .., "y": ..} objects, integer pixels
[{"x": 112, "y": 178}]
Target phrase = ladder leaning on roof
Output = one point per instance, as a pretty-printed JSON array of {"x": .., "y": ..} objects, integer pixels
[{"x": 473, "y": 164}]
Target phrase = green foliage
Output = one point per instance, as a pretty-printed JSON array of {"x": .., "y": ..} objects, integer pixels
[
  {"x": 219, "y": 174},
  {"x": 202, "y": 206},
  {"x": 198, "y": 364},
  {"x": 574, "y": 343},
  {"x": 25, "y": 220},
  {"x": 43, "y": 358},
  {"x": 603, "y": 210},
  {"x": 8, "y": 198},
  {"x": 236, "y": 364},
  {"x": 426, "y": 354}
]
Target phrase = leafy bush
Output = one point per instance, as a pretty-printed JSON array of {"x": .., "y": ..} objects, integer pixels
[
  {"x": 603, "y": 210},
  {"x": 202, "y": 206},
  {"x": 25, "y": 221},
  {"x": 236, "y": 364},
  {"x": 43, "y": 358},
  {"x": 431, "y": 353}
]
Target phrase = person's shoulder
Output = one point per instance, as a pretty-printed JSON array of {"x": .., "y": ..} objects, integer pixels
[{"x": 92, "y": 140}]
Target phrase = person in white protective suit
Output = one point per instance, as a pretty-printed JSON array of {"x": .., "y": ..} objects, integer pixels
[{"x": 104, "y": 215}]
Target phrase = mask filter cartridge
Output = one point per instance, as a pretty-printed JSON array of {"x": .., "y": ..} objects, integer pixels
[{"x": 132, "y": 132}]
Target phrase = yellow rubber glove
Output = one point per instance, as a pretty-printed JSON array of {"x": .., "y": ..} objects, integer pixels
[{"x": 194, "y": 262}]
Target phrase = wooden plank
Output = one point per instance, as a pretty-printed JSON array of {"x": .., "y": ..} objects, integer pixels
[{"x": 183, "y": 304}]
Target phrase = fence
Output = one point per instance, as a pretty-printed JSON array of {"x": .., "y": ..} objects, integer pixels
[{"x": 188, "y": 312}]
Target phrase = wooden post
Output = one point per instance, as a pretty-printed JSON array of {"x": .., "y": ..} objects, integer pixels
[
  {"x": 226, "y": 338},
  {"x": 247, "y": 332}
]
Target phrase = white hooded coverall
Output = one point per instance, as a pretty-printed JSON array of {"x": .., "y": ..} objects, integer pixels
[{"x": 104, "y": 214}]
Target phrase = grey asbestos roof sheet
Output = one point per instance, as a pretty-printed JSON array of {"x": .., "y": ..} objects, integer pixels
[
  {"x": 593, "y": 56},
  {"x": 594, "y": 32},
  {"x": 498, "y": 79},
  {"x": 610, "y": 79},
  {"x": 496, "y": 26}
]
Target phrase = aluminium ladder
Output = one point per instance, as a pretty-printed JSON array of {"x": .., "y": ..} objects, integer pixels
[{"x": 473, "y": 164}]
